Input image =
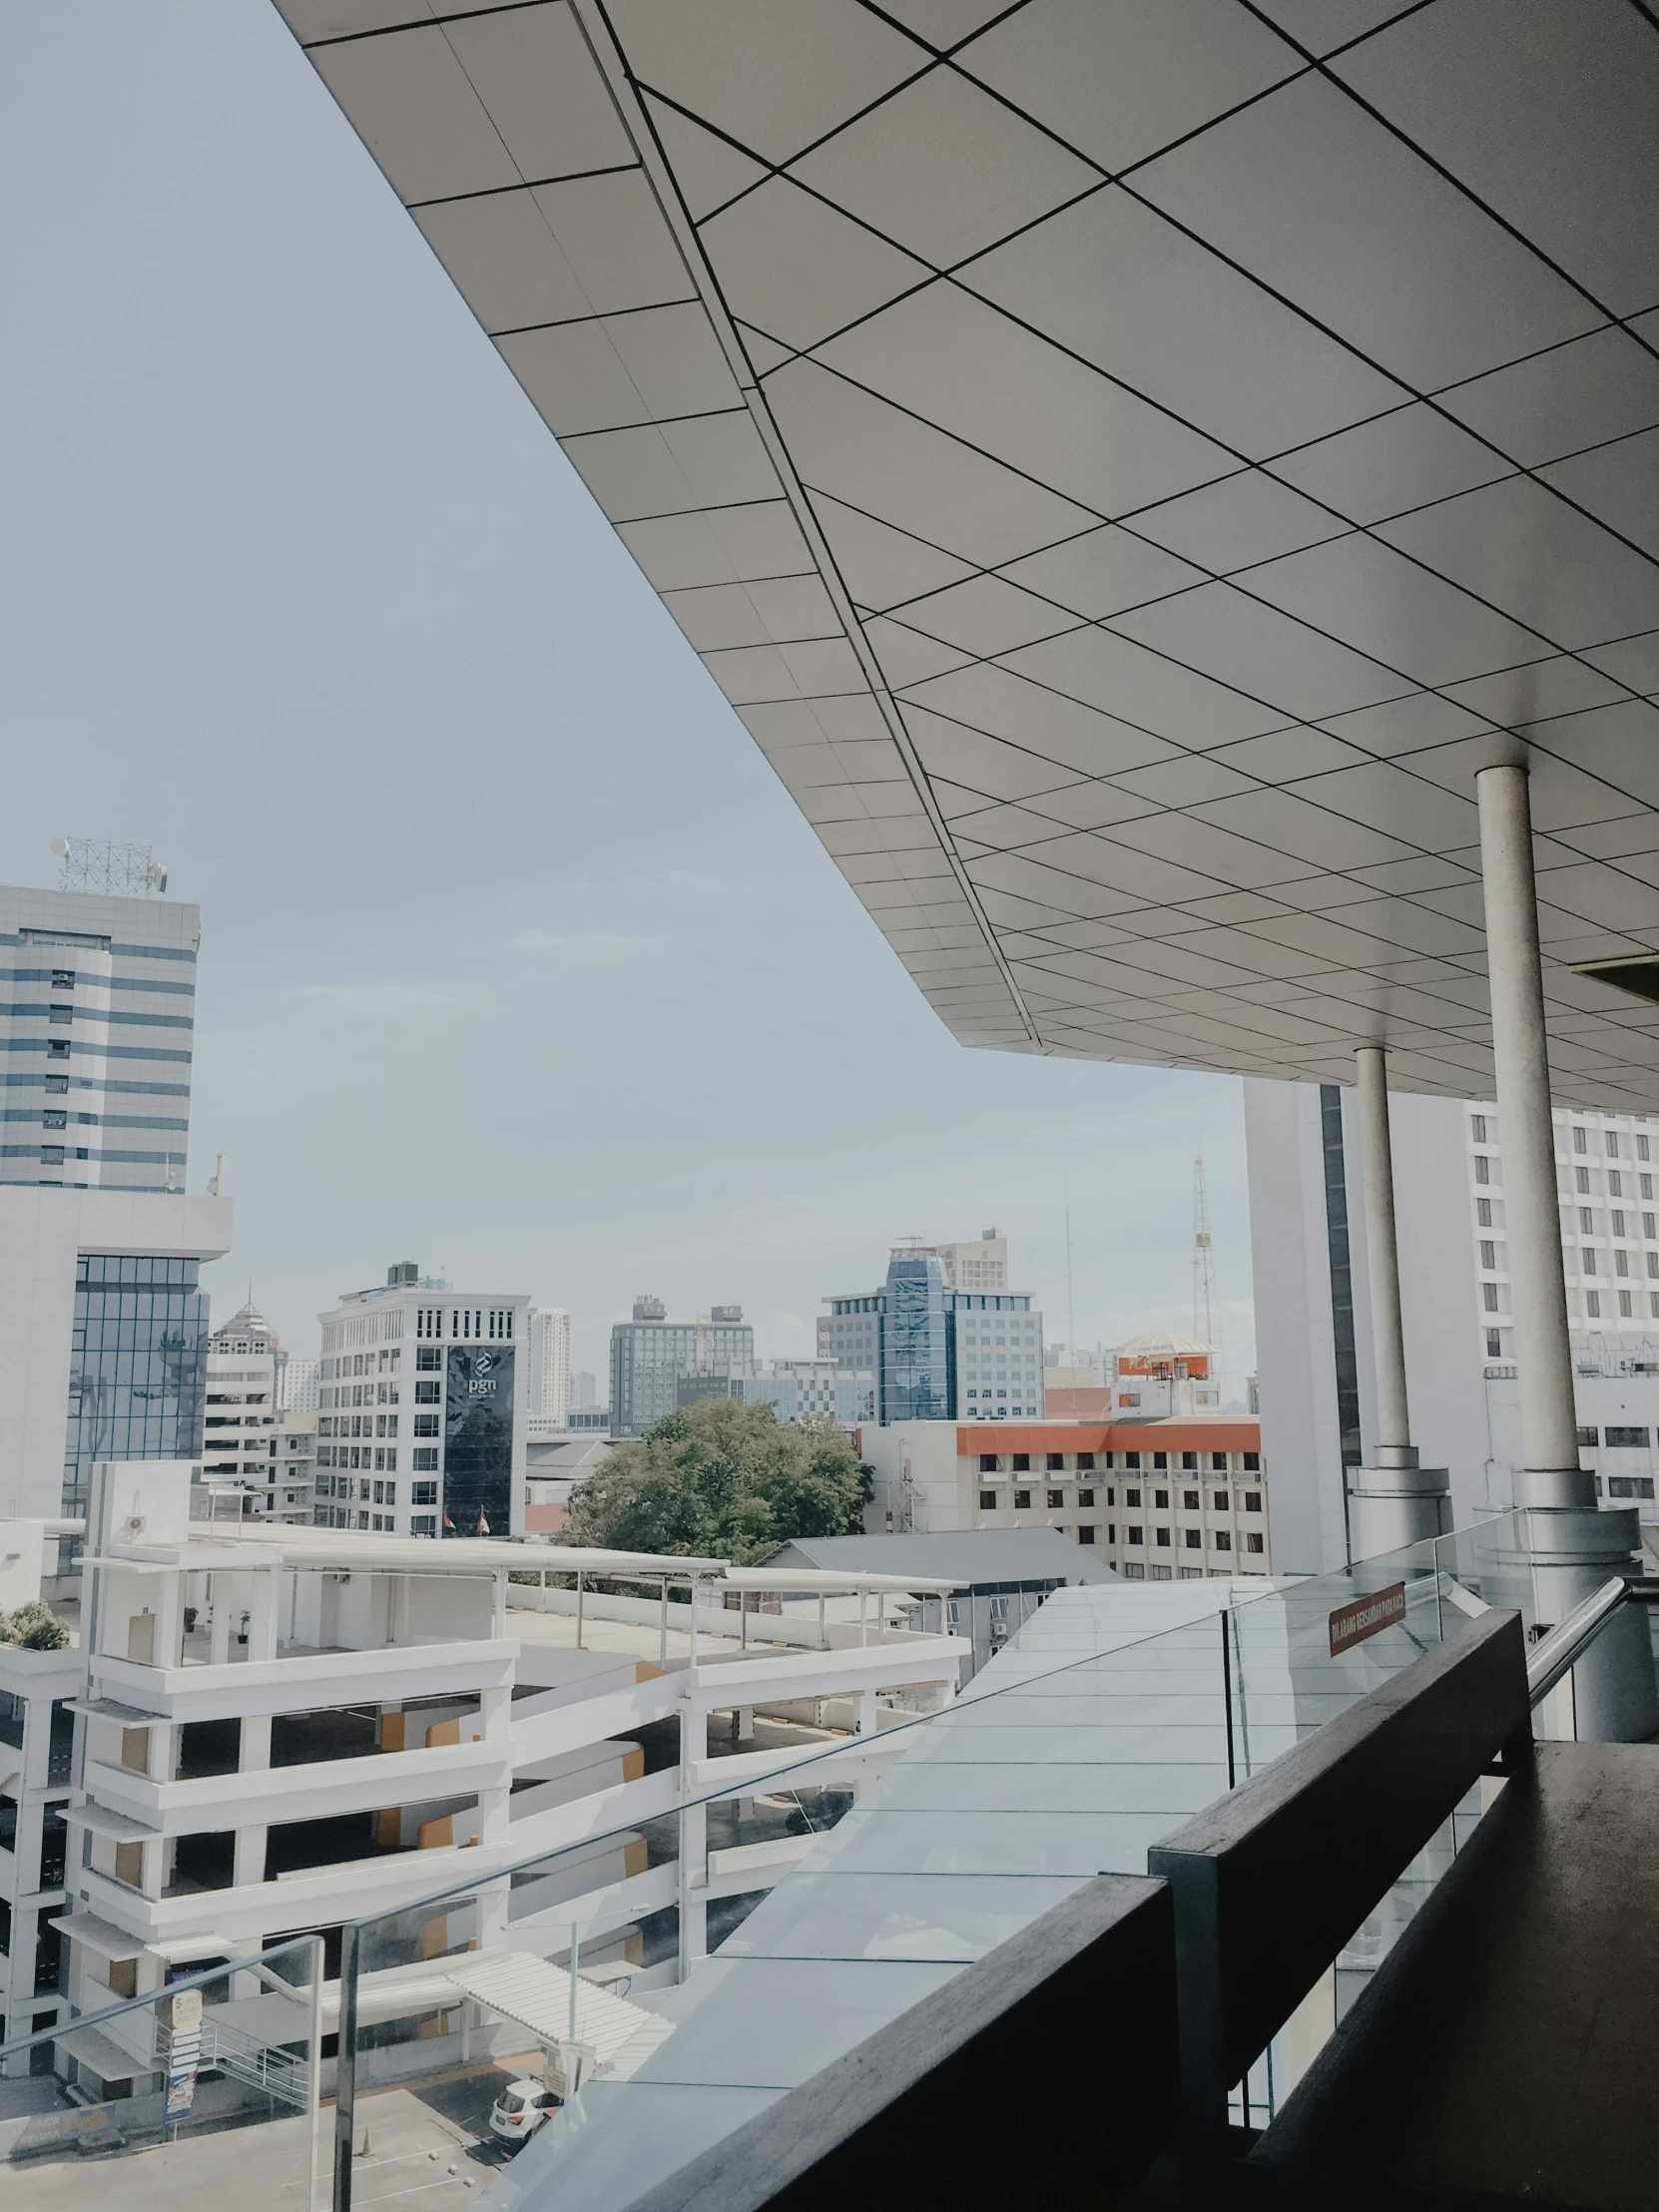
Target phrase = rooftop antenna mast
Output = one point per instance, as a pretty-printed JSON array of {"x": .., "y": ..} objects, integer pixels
[
  {"x": 1071, "y": 1306},
  {"x": 1207, "y": 1317}
]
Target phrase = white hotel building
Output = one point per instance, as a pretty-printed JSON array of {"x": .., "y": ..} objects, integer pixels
[
  {"x": 423, "y": 1405},
  {"x": 1313, "y": 1301},
  {"x": 549, "y": 1345}
]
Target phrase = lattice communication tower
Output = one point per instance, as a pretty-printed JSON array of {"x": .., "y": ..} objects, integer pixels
[
  {"x": 101, "y": 865},
  {"x": 1207, "y": 1315}
]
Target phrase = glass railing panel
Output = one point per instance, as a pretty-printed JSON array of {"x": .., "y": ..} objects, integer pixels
[
  {"x": 1287, "y": 1681},
  {"x": 1077, "y": 1749},
  {"x": 230, "y": 2045},
  {"x": 726, "y": 1946}
]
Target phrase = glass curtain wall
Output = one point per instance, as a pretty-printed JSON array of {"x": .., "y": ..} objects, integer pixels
[
  {"x": 138, "y": 1370},
  {"x": 917, "y": 1351}
]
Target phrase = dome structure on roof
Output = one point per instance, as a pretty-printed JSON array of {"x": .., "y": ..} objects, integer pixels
[
  {"x": 247, "y": 1325},
  {"x": 1162, "y": 1344}
]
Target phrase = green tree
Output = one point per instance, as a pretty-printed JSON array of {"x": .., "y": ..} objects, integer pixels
[
  {"x": 35, "y": 1626},
  {"x": 723, "y": 1480}
]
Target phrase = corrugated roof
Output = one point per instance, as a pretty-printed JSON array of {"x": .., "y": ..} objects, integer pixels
[{"x": 535, "y": 1994}]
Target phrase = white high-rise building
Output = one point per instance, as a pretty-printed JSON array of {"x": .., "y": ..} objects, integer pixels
[
  {"x": 96, "y": 1021},
  {"x": 979, "y": 1266},
  {"x": 1313, "y": 1302},
  {"x": 422, "y": 1424},
  {"x": 549, "y": 1328},
  {"x": 298, "y": 1381},
  {"x": 250, "y": 1436}
]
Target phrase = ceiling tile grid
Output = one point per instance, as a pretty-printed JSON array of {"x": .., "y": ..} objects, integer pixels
[{"x": 1129, "y": 462}]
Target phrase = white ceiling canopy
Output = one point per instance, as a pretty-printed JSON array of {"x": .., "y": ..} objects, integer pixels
[{"x": 1127, "y": 462}]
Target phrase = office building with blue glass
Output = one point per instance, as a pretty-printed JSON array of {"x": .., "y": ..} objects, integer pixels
[
  {"x": 938, "y": 1352},
  {"x": 103, "y": 1335}
]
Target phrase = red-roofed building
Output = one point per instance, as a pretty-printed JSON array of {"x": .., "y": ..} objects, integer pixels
[{"x": 1159, "y": 1500}]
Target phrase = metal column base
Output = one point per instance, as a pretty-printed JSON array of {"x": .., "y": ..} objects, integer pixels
[
  {"x": 1572, "y": 1552},
  {"x": 1393, "y": 1507}
]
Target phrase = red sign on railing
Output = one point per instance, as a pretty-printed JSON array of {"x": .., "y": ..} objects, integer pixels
[{"x": 1351, "y": 1624}]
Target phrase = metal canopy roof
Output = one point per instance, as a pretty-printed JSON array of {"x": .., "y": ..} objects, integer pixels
[
  {"x": 535, "y": 1994},
  {"x": 960, "y": 1558},
  {"x": 1129, "y": 465},
  {"x": 300, "y": 1546}
]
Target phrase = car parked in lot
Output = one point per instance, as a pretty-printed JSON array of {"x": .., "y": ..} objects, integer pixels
[{"x": 521, "y": 2108}]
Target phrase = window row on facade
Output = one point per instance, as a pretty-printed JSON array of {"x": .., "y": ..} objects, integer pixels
[
  {"x": 1088, "y": 1462},
  {"x": 1190, "y": 1501}
]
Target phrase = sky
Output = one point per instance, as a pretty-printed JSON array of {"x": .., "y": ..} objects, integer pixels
[{"x": 516, "y": 958}]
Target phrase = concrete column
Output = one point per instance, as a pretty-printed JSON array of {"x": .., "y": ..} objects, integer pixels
[
  {"x": 1572, "y": 1546},
  {"x": 262, "y": 1625},
  {"x": 256, "y": 1743},
  {"x": 868, "y": 1721},
  {"x": 1551, "y": 1476},
  {"x": 1393, "y": 1502},
  {"x": 249, "y": 1862},
  {"x": 494, "y": 1816},
  {"x": 153, "y": 1866},
  {"x": 219, "y": 1649},
  {"x": 1394, "y": 1418},
  {"x": 169, "y": 1619}
]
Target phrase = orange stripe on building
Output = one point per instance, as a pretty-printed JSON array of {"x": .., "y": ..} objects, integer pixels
[{"x": 1148, "y": 1435}]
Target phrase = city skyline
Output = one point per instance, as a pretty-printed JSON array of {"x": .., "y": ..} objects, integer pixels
[{"x": 510, "y": 937}]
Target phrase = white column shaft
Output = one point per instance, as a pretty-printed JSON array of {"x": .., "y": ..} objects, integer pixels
[
  {"x": 1543, "y": 1359},
  {"x": 1393, "y": 1416}
]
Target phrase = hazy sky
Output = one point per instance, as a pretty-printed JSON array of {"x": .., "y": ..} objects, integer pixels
[{"x": 516, "y": 958}]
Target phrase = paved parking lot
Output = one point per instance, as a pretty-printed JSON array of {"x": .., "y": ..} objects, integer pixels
[{"x": 427, "y": 2152}]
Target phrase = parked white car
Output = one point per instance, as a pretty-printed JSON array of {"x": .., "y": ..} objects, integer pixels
[{"x": 521, "y": 2108}]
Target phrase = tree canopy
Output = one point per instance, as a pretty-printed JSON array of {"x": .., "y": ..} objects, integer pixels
[{"x": 723, "y": 1480}]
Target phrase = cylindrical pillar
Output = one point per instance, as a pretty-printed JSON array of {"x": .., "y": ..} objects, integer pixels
[
  {"x": 1550, "y": 1473},
  {"x": 1571, "y": 1545},
  {"x": 1388, "y": 1334},
  {"x": 1393, "y": 1502}
]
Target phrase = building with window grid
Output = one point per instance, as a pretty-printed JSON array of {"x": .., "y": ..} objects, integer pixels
[
  {"x": 650, "y": 1352},
  {"x": 1313, "y": 1309},
  {"x": 423, "y": 1407},
  {"x": 1159, "y": 1500},
  {"x": 97, "y": 1017},
  {"x": 939, "y": 1353}
]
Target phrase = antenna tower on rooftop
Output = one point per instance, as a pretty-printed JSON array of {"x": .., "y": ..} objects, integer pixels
[
  {"x": 100, "y": 864},
  {"x": 1207, "y": 1318}
]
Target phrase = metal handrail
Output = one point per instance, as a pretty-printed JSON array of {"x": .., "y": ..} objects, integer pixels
[{"x": 1557, "y": 1653}]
